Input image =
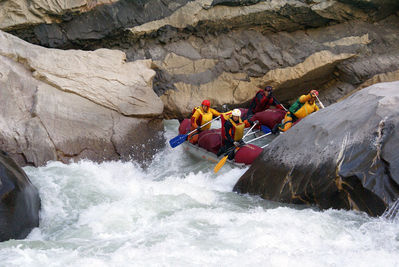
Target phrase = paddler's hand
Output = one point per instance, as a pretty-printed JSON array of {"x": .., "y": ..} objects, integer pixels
[
  {"x": 198, "y": 128},
  {"x": 236, "y": 144}
]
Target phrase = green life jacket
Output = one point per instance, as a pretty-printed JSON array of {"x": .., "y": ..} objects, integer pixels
[{"x": 296, "y": 106}]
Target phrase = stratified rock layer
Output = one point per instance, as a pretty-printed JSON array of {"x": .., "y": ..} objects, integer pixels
[
  {"x": 223, "y": 50},
  {"x": 344, "y": 156},
  {"x": 19, "y": 201},
  {"x": 22, "y": 13},
  {"x": 61, "y": 105}
]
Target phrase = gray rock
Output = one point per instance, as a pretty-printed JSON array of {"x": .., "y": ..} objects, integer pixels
[
  {"x": 19, "y": 201},
  {"x": 247, "y": 39},
  {"x": 63, "y": 23},
  {"x": 260, "y": 57},
  {"x": 344, "y": 156},
  {"x": 69, "y": 105}
]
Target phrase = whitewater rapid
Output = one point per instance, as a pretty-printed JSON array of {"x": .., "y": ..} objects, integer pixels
[{"x": 177, "y": 212}]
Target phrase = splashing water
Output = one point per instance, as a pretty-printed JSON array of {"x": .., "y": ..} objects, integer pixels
[
  {"x": 392, "y": 212},
  {"x": 178, "y": 213}
]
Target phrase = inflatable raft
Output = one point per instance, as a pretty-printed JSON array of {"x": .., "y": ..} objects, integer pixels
[
  {"x": 210, "y": 141},
  {"x": 203, "y": 154}
]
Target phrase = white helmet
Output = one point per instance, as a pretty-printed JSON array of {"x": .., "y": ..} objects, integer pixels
[{"x": 236, "y": 112}]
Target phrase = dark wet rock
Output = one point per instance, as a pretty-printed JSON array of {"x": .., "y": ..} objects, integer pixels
[
  {"x": 98, "y": 23},
  {"x": 20, "y": 201},
  {"x": 345, "y": 156},
  {"x": 235, "y": 2}
]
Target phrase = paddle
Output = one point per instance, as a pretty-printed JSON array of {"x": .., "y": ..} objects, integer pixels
[
  {"x": 232, "y": 149},
  {"x": 174, "y": 142},
  {"x": 278, "y": 102},
  {"x": 321, "y": 104},
  {"x": 257, "y": 138},
  {"x": 265, "y": 129},
  {"x": 223, "y": 160}
]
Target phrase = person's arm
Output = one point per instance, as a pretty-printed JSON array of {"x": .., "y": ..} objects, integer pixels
[
  {"x": 214, "y": 112},
  {"x": 227, "y": 127},
  {"x": 194, "y": 119},
  {"x": 316, "y": 108},
  {"x": 304, "y": 98},
  {"x": 252, "y": 105},
  {"x": 248, "y": 123},
  {"x": 253, "y": 102},
  {"x": 279, "y": 106},
  {"x": 277, "y": 103}
]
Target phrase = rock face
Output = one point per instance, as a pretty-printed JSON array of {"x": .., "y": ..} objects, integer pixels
[
  {"x": 220, "y": 50},
  {"x": 62, "y": 105},
  {"x": 22, "y": 13},
  {"x": 73, "y": 23},
  {"x": 344, "y": 156},
  {"x": 20, "y": 202},
  {"x": 224, "y": 49}
]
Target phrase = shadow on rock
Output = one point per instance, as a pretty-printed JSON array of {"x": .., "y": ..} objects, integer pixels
[
  {"x": 344, "y": 157},
  {"x": 20, "y": 202}
]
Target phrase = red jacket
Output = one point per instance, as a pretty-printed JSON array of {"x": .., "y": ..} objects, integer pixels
[{"x": 262, "y": 102}]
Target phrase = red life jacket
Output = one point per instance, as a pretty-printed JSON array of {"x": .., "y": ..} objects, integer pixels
[{"x": 263, "y": 103}]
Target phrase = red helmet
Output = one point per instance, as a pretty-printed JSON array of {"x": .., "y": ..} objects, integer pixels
[
  {"x": 314, "y": 92},
  {"x": 206, "y": 103}
]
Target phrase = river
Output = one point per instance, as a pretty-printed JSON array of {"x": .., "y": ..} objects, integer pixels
[{"x": 177, "y": 212}]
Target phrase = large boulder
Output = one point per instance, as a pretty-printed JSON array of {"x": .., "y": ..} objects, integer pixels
[
  {"x": 344, "y": 156},
  {"x": 62, "y": 105},
  {"x": 19, "y": 201}
]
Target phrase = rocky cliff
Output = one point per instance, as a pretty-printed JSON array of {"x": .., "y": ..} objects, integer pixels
[
  {"x": 223, "y": 50},
  {"x": 62, "y": 105},
  {"x": 183, "y": 51},
  {"x": 344, "y": 156}
]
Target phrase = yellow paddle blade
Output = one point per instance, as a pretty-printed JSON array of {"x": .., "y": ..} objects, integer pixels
[{"x": 220, "y": 164}]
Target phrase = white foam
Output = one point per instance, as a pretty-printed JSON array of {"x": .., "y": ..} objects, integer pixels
[{"x": 117, "y": 214}]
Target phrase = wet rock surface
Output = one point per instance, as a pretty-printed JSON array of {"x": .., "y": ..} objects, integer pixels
[
  {"x": 344, "y": 156},
  {"x": 19, "y": 201}
]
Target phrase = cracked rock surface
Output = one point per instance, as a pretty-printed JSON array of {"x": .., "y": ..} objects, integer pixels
[
  {"x": 223, "y": 50},
  {"x": 344, "y": 156},
  {"x": 62, "y": 105}
]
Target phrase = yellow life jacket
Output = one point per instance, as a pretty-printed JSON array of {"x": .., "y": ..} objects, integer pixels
[
  {"x": 204, "y": 118},
  {"x": 238, "y": 129},
  {"x": 305, "y": 110}
]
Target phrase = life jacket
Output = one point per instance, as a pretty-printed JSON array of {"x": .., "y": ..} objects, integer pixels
[
  {"x": 203, "y": 118},
  {"x": 263, "y": 103},
  {"x": 301, "y": 110},
  {"x": 237, "y": 131}
]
